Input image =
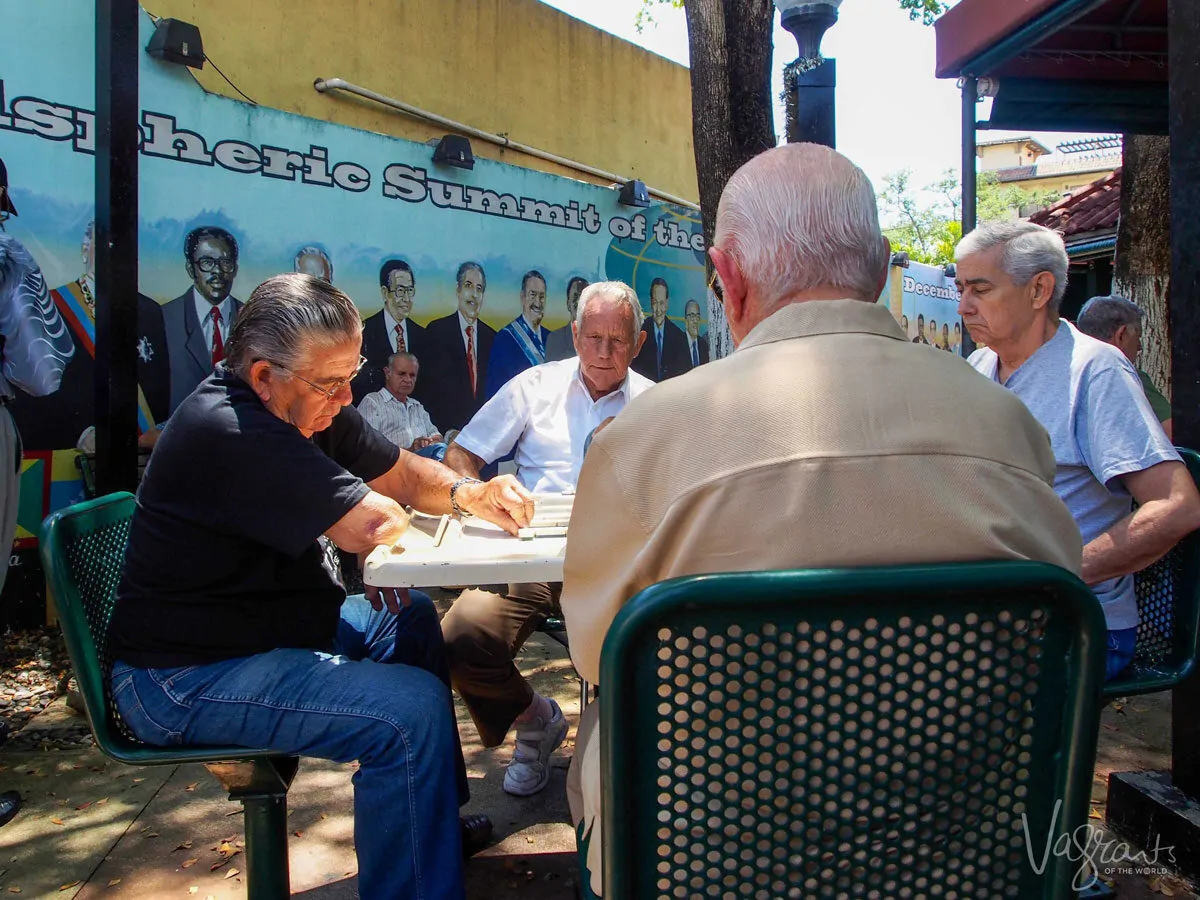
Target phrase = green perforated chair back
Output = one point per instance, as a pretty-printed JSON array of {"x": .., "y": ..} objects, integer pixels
[
  {"x": 1168, "y": 598},
  {"x": 83, "y": 550},
  {"x": 849, "y": 733}
]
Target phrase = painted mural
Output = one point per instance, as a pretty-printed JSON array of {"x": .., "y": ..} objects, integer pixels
[
  {"x": 232, "y": 193},
  {"x": 924, "y": 301}
]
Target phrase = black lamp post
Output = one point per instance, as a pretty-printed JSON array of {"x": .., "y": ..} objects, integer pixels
[{"x": 816, "y": 78}]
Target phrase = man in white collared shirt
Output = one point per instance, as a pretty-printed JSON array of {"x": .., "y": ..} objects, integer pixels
[
  {"x": 543, "y": 416},
  {"x": 394, "y": 414}
]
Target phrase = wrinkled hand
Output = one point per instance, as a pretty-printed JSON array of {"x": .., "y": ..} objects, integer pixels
[
  {"x": 503, "y": 501},
  {"x": 392, "y": 598}
]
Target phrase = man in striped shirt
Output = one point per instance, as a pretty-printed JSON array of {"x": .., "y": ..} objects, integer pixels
[{"x": 402, "y": 420}]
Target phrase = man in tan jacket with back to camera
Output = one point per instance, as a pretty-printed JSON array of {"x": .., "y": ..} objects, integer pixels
[{"x": 823, "y": 444}]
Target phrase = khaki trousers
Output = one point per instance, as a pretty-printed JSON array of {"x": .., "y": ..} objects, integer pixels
[{"x": 484, "y": 631}]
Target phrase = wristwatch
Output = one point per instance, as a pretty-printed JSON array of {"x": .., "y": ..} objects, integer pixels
[{"x": 458, "y": 510}]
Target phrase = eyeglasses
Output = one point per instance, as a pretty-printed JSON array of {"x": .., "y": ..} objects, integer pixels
[
  {"x": 715, "y": 286},
  {"x": 208, "y": 264},
  {"x": 404, "y": 291},
  {"x": 329, "y": 393}
]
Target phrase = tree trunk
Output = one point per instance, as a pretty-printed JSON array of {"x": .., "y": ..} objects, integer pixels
[
  {"x": 732, "y": 115},
  {"x": 1143, "y": 265}
]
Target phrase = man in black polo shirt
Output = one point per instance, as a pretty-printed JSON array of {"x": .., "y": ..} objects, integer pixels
[{"x": 230, "y": 624}]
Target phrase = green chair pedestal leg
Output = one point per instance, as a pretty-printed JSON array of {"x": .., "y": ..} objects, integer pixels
[
  {"x": 267, "y": 875},
  {"x": 261, "y": 785}
]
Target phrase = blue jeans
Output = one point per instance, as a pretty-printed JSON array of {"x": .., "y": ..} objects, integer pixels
[
  {"x": 433, "y": 451},
  {"x": 1121, "y": 647},
  {"x": 379, "y": 697}
]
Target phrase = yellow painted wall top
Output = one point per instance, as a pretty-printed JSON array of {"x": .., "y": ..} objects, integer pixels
[{"x": 514, "y": 67}]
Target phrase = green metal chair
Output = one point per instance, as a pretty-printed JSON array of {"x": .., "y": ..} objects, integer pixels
[
  {"x": 877, "y": 732},
  {"x": 83, "y": 549},
  {"x": 1168, "y": 597}
]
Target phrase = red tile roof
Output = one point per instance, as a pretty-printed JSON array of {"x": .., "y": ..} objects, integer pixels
[{"x": 1096, "y": 207}]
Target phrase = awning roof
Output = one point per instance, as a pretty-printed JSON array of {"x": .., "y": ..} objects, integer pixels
[{"x": 1063, "y": 65}]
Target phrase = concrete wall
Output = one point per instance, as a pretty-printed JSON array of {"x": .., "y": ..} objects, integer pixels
[
  {"x": 1003, "y": 156},
  {"x": 1064, "y": 183},
  {"x": 506, "y": 66}
]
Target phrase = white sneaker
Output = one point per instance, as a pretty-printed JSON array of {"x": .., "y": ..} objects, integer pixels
[{"x": 529, "y": 770}]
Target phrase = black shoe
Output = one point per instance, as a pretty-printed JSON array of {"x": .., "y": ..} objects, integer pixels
[
  {"x": 476, "y": 833},
  {"x": 10, "y": 805}
]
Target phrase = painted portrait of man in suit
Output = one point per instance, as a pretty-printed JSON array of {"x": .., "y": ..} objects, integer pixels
[
  {"x": 391, "y": 330},
  {"x": 198, "y": 321},
  {"x": 458, "y": 347},
  {"x": 59, "y": 420},
  {"x": 313, "y": 260},
  {"x": 697, "y": 351},
  {"x": 664, "y": 352},
  {"x": 521, "y": 343},
  {"x": 561, "y": 344}
]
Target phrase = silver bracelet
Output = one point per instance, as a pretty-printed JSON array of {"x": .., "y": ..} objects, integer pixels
[{"x": 458, "y": 510}]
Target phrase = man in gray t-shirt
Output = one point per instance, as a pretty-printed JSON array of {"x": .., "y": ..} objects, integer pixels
[{"x": 1108, "y": 445}]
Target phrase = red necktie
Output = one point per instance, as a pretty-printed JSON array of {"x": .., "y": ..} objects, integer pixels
[
  {"x": 471, "y": 357},
  {"x": 400, "y": 348},
  {"x": 218, "y": 350}
]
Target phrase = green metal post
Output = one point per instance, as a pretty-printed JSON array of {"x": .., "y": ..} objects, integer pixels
[{"x": 266, "y": 847}]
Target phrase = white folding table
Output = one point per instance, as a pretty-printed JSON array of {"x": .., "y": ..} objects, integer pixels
[
  {"x": 470, "y": 552},
  {"x": 473, "y": 552}
]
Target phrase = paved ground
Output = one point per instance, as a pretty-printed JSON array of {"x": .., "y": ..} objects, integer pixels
[{"x": 97, "y": 829}]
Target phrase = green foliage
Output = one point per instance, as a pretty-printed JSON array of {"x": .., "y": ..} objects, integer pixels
[
  {"x": 645, "y": 15},
  {"x": 928, "y": 231},
  {"x": 925, "y": 10}
]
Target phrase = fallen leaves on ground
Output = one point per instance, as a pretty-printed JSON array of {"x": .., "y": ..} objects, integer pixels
[
  {"x": 1159, "y": 887},
  {"x": 231, "y": 872},
  {"x": 57, "y": 821},
  {"x": 188, "y": 863},
  {"x": 114, "y": 882},
  {"x": 192, "y": 786},
  {"x": 67, "y": 887},
  {"x": 226, "y": 850}
]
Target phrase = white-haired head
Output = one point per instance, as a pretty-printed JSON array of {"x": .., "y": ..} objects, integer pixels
[
  {"x": 1028, "y": 251},
  {"x": 612, "y": 290},
  {"x": 800, "y": 217}
]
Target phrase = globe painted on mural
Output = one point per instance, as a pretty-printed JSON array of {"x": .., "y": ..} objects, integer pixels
[{"x": 639, "y": 262}]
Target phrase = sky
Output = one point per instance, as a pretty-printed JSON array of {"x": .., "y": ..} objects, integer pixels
[{"x": 892, "y": 113}]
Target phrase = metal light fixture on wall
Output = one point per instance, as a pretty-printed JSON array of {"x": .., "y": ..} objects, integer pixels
[
  {"x": 177, "y": 42},
  {"x": 634, "y": 193},
  {"x": 454, "y": 150}
]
